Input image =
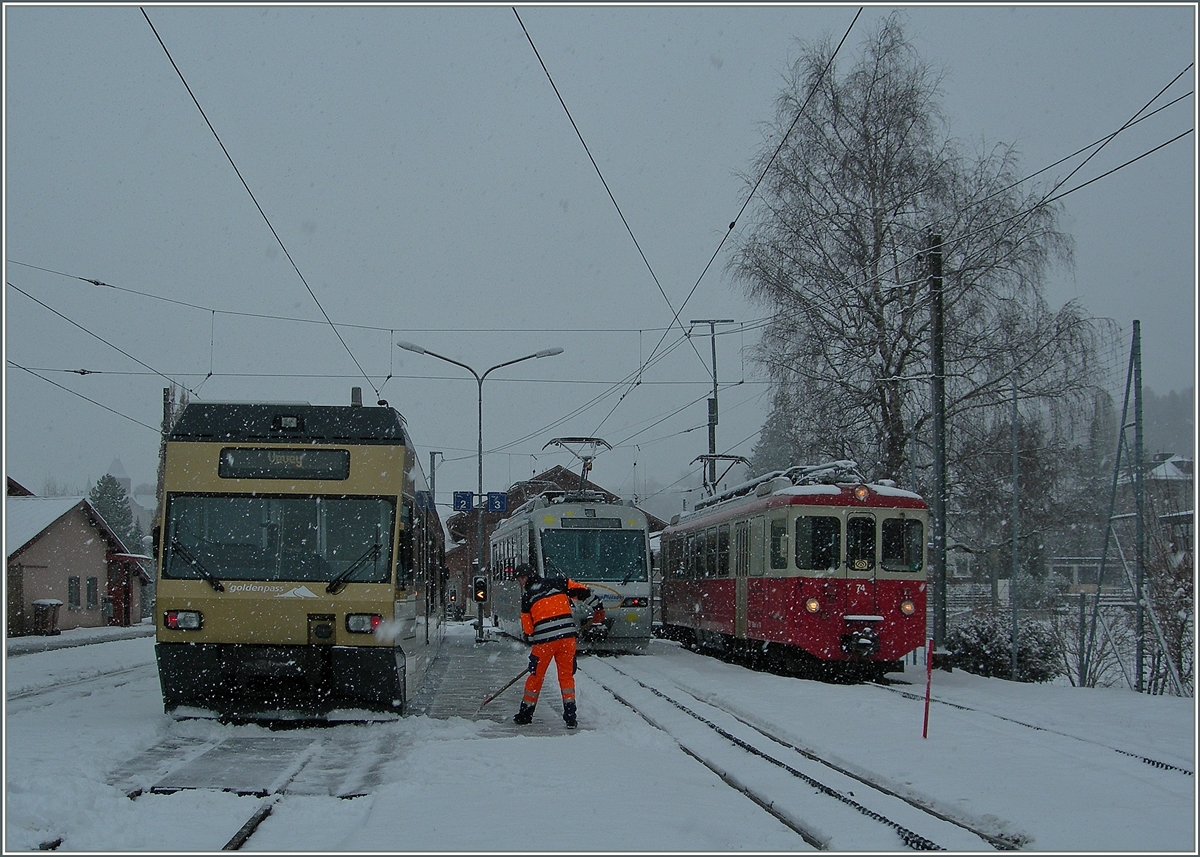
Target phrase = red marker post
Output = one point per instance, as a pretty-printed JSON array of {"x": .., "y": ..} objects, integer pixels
[{"x": 928, "y": 682}]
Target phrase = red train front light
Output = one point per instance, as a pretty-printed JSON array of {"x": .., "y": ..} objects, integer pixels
[
  {"x": 183, "y": 620},
  {"x": 635, "y": 602},
  {"x": 907, "y": 607},
  {"x": 812, "y": 605},
  {"x": 363, "y": 623}
]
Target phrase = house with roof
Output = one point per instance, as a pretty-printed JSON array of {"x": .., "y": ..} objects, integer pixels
[{"x": 66, "y": 568}]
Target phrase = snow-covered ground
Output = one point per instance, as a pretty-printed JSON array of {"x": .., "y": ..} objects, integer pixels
[{"x": 616, "y": 784}]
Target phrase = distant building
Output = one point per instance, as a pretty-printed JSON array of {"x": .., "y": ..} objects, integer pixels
[{"x": 66, "y": 568}]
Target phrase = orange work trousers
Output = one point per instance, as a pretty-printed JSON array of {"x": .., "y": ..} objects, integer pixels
[{"x": 562, "y": 652}]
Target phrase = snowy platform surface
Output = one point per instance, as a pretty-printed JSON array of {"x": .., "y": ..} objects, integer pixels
[{"x": 466, "y": 672}]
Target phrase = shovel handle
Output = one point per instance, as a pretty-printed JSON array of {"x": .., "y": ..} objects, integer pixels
[{"x": 515, "y": 679}]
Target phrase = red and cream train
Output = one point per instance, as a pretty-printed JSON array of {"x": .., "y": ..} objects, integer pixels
[{"x": 812, "y": 567}]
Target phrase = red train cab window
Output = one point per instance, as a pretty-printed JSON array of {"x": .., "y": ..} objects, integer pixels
[
  {"x": 860, "y": 543},
  {"x": 903, "y": 547}
]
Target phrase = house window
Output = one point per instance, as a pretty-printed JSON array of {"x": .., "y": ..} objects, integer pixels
[
  {"x": 93, "y": 593},
  {"x": 73, "y": 593}
]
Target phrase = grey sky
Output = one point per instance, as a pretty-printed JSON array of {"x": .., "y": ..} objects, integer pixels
[{"x": 422, "y": 174}]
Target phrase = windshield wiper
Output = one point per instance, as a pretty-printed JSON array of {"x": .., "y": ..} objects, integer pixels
[
  {"x": 634, "y": 572},
  {"x": 190, "y": 559},
  {"x": 343, "y": 578}
]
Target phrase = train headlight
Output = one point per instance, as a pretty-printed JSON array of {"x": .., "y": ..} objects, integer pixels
[
  {"x": 907, "y": 607},
  {"x": 183, "y": 620},
  {"x": 861, "y": 493},
  {"x": 812, "y": 605},
  {"x": 363, "y": 623},
  {"x": 635, "y": 602}
]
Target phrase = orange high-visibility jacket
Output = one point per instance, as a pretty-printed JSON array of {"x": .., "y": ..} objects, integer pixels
[{"x": 546, "y": 608}]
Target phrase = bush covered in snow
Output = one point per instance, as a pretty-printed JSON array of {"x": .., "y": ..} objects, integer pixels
[{"x": 982, "y": 644}]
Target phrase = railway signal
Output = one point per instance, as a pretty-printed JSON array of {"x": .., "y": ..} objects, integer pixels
[{"x": 480, "y": 588}]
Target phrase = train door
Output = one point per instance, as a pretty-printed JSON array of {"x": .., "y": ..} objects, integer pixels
[
  {"x": 860, "y": 564},
  {"x": 741, "y": 568}
]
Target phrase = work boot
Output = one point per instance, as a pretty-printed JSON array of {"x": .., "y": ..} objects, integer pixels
[
  {"x": 524, "y": 716},
  {"x": 569, "y": 714}
]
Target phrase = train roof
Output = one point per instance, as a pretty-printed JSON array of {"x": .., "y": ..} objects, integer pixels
[
  {"x": 287, "y": 422},
  {"x": 831, "y": 483},
  {"x": 548, "y": 498}
]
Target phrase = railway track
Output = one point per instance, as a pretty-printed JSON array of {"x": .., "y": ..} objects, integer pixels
[
  {"x": 808, "y": 794},
  {"x": 336, "y": 761},
  {"x": 78, "y": 687},
  {"x": 1145, "y": 759}
]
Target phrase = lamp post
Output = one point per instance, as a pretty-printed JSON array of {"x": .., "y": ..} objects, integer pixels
[{"x": 479, "y": 378}]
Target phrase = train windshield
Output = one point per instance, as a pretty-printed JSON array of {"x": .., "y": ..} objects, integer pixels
[
  {"x": 903, "y": 545},
  {"x": 612, "y": 555},
  {"x": 293, "y": 538}
]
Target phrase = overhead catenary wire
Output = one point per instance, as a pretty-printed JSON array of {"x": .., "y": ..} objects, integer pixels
[
  {"x": 391, "y": 331},
  {"x": 733, "y": 223},
  {"x": 97, "y": 336},
  {"x": 32, "y": 372},
  {"x": 766, "y": 321},
  {"x": 254, "y": 199},
  {"x": 608, "y": 190},
  {"x": 763, "y": 174}
]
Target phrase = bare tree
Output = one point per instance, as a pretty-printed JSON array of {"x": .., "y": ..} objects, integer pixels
[{"x": 836, "y": 252}]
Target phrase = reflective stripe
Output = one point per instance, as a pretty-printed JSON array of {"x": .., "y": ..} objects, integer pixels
[{"x": 554, "y": 628}]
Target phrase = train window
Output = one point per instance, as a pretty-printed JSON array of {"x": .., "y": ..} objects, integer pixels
[
  {"x": 818, "y": 542},
  {"x": 290, "y": 537},
  {"x": 709, "y": 567},
  {"x": 756, "y": 547},
  {"x": 779, "y": 557},
  {"x": 722, "y": 567},
  {"x": 903, "y": 547},
  {"x": 860, "y": 543}
]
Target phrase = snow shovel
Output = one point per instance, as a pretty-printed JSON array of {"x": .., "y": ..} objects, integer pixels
[{"x": 515, "y": 679}]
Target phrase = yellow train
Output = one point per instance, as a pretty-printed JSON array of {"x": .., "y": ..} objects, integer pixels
[{"x": 300, "y": 562}]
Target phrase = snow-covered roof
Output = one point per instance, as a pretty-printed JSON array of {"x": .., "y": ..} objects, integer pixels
[
  {"x": 1176, "y": 468},
  {"x": 26, "y": 517}
]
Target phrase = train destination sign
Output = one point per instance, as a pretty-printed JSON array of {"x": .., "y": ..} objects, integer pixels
[{"x": 282, "y": 463}]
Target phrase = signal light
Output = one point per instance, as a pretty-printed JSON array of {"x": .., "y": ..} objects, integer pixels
[
  {"x": 635, "y": 602},
  {"x": 453, "y": 596},
  {"x": 480, "y": 587},
  {"x": 183, "y": 620}
]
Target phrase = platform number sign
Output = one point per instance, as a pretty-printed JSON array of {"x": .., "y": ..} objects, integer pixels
[
  {"x": 497, "y": 501},
  {"x": 464, "y": 501}
]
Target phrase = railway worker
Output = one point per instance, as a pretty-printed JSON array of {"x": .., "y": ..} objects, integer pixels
[{"x": 547, "y": 621}]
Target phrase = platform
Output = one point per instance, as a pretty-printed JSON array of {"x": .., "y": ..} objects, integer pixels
[{"x": 466, "y": 672}]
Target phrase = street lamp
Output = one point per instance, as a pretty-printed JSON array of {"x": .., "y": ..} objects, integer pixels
[{"x": 417, "y": 349}]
